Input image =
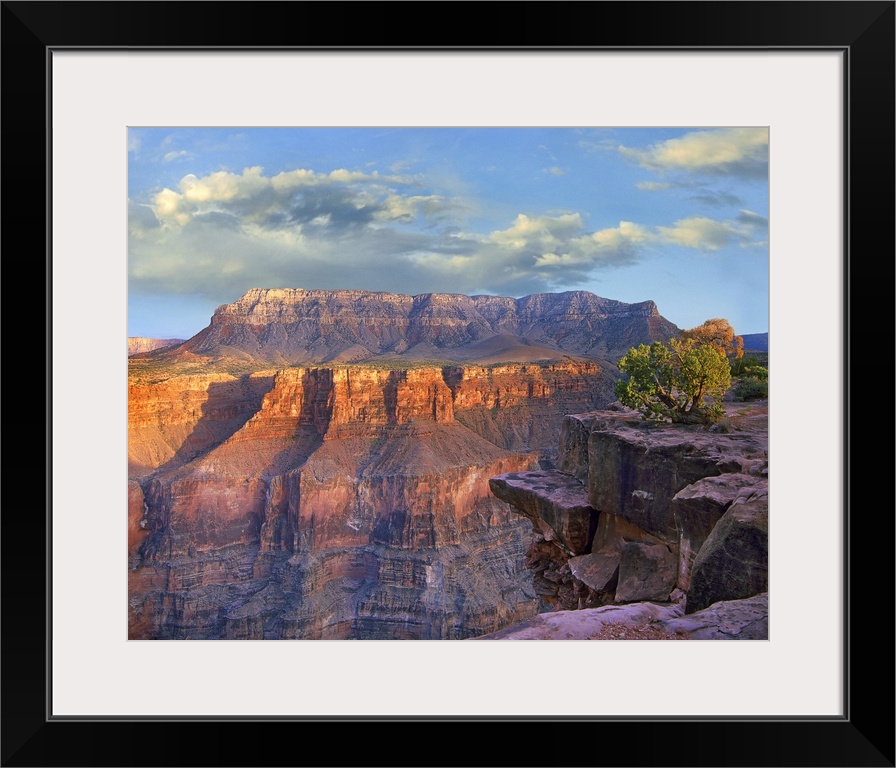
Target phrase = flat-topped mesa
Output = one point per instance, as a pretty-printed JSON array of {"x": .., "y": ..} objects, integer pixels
[
  {"x": 259, "y": 306},
  {"x": 296, "y": 326}
]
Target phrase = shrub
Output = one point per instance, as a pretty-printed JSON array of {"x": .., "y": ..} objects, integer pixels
[
  {"x": 751, "y": 388},
  {"x": 746, "y": 367}
]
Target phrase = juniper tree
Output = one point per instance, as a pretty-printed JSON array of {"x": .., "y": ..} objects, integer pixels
[{"x": 683, "y": 381}]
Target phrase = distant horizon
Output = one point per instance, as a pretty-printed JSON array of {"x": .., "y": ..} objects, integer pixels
[{"x": 677, "y": 216}]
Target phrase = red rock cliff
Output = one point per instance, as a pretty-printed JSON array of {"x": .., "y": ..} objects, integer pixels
[{"x": 336, "y": 502}]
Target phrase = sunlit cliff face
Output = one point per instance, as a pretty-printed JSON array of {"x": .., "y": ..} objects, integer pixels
[{"x": 338, "y": 502}]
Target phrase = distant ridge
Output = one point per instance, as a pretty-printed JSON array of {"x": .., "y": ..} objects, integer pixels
[
  {"x": 140, "y": 344},
  {"x": 756, "y": 341},
  {"x": 294, "y": 326}
]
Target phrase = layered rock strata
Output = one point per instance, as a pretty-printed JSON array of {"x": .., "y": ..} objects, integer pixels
[
  {"x": 295, "y": 326},
  {"x": 681, "y": 512},
  {"x": 330, "y": 503}
]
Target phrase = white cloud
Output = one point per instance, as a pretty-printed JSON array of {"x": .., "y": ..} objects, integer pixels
[
  {"x": 698, "y": 232},
  {"x": 408, "y": 208},
  {"x": 541, "y": 230},
  {"x": 749, "y": 229},
  {"x": 626, "y": 231},
  {"x": 256, "y": 197},
  {"x": 739, "y": 152}
]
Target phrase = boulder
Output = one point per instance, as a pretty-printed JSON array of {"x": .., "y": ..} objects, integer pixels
[
  {"x": 597, "y": 570},
  {"x": 699, "y": 507},
  {"x": 733, "y": 562},
  {"x": 646, "y": 572}
]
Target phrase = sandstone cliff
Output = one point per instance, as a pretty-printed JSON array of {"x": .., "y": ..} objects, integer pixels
[
  {"x": 675, "y": 515},
  {"x": 340, "y": 502},
  {"x": 295, "y": 326}
]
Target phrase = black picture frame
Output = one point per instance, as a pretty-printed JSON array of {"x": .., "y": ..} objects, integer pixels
[{"x": 864, "y": 736}]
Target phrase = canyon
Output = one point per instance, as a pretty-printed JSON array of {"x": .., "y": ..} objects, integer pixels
[
  {"x": 351, "y": 502},
  {"x": 321, "y": 464}
]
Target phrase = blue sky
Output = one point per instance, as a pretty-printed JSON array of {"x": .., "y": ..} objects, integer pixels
[{"x": 677, "y": 215}]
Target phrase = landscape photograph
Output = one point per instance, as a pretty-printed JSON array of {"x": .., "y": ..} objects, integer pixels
[{"x": 461, "y": 383}]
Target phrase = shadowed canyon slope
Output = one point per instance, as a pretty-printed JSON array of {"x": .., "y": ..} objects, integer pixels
[{"x": 351, "y": 501}]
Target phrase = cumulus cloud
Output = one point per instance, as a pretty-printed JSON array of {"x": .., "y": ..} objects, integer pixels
[
  {"x": 741, "y": 152},
  {"x": 536, "y": 253},
  {"x": 289, "y": 197},
  {"x": 220, "y": 234},
  {"x": 540, "y": 231},
  {"x": 748, "y": 229},
  {"x": 141, "y": 220}
]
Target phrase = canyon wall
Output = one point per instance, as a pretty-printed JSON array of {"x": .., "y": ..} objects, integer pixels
[{"x": 339, "y": 502}]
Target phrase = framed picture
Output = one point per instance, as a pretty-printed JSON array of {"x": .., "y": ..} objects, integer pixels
[{"x": 817, "y": 75}]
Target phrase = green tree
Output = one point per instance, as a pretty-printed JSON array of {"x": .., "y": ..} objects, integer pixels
[{"x": 682, "y": 381}]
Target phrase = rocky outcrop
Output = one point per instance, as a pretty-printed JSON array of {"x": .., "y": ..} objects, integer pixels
[
  {"x": 745, "y": 619},
  {"x": 681, "y": 512},
  {"x": 341, "y": 502},
  {"x": 296, "y": 326},
  {"x": 556, "y": 504}
]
